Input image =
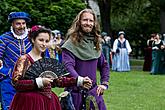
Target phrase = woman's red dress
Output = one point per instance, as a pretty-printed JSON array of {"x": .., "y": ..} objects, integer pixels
[{"x": 28, "y": 95}]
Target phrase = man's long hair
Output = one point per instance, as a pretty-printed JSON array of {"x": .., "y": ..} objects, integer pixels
[{"x": 76, "y": 34}]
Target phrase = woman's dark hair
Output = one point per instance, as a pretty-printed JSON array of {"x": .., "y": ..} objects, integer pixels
[{"x": 36, "y": 30}]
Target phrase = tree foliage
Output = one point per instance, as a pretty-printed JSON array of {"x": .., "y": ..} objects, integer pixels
[
  {"x": 136, "y": 17},
  {"x": 57, "y": 14}
]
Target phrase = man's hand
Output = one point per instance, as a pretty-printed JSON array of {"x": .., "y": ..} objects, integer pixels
[
  {"x": 100, "y": 89},
  {"x": 1, "y": 64}
]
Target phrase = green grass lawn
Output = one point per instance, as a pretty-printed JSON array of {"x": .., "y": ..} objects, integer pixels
[{"x": 134, "y": 90}]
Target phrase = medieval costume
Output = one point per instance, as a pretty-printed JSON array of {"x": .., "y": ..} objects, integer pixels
[
  {"x": 148, "y": 56},
  {"x": 82, "y": 59},
  {"x": 54, "y": 50},
  {"x": 158, "y": 59},
  {"x": 121, "y": 51},
  {"x": 106, "y": 46},
  {"x": 28, "y": 95},
  {"x": 11, "y": 47}
]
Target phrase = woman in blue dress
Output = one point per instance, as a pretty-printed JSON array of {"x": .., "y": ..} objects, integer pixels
[{"x": 121, "y": 49}]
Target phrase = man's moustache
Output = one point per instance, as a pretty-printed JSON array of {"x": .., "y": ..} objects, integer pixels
[{"x": 21, "y": 28}]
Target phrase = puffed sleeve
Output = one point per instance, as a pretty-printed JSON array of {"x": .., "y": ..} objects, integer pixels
[
  {"x": 17, "y": 77},
  {"x": 128, "y": 46},
  {"x": 3, "y": 45},
  {"x": 115, "y": 45}
]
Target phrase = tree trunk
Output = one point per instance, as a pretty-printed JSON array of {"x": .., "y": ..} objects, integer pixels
[
  {"x": 105, "y": 7},
  {"x": 162, "y": 19}
]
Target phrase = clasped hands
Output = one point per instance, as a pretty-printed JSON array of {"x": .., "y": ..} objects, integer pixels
[
  {"x": 84, "y": 82},
  {"x": 87, "y": 84}
]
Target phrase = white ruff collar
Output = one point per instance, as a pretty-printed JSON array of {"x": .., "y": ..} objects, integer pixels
[{"x": 21, "y": 36}]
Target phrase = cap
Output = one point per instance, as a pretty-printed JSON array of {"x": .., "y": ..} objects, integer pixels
[
  {"x": 103, "y": 34},
  {"x": 19, "y": 15},
  {"x": 121, "y": 32}
]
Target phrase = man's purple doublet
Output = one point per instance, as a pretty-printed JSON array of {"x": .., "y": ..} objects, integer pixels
[{"x": 78, "y": 67}]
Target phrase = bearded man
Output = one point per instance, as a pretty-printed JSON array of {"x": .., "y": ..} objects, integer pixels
[{"x": 82, "y": 56}]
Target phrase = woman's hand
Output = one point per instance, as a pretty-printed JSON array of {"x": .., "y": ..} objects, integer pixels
[
  {"x": 43, "y": 82},
  {"x": 87, "y": 83},
  {"x": 46, "y": 81}
]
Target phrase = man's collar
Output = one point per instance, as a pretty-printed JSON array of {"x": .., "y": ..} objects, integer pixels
[{"x": 17, "y": 36}]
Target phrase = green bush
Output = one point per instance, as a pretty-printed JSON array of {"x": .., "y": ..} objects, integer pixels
[{"x": 54, "y": 15}]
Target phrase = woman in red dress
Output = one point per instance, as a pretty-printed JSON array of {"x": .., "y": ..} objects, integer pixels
[
  {"x": 148, "y": 54},
  {"x": 36, "y": 94}
]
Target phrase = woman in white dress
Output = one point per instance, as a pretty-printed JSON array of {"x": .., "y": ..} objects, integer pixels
[{"x": 121, "y": 50}]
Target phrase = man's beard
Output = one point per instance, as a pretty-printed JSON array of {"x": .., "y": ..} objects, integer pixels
[
  {"x": 20, "y": 31},
  {"x": 86, "y": 29}
]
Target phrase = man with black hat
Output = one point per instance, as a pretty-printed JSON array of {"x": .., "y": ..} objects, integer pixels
[{"x": 13, "y": 44}]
